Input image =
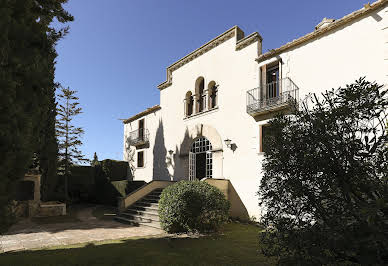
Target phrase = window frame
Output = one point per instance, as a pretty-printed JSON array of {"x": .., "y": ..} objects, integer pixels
[
  {"x": 143, "y": 159},
  {"x": 261, "y": 137}
]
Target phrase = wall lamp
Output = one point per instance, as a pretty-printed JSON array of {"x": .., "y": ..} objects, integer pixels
[{"x": 228, "y": 143}]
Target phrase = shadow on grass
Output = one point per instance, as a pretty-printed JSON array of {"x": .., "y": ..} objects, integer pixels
[
  {"x": 236, "y": 244},
  {"x": 79, "y": 216}
]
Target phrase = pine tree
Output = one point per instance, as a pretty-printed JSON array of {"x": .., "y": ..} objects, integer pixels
[{"x": 68, "y": 135}]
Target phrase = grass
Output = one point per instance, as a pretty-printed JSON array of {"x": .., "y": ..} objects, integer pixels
[{"x": 236, "y": 244}]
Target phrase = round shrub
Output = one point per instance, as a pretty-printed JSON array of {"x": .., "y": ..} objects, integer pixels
[{"x": 190, "y": 206}]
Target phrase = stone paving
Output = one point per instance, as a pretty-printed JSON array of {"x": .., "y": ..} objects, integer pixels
[{"x": 28, "y": 235}]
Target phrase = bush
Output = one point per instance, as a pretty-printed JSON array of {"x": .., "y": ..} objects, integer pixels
[
  {"x": 325, "y": 186},
  {"x": 189, "y": 206}
]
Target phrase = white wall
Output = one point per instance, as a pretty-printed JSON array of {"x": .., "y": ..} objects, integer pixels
[
  {"x": 335, "y": 59},
  {"x": 340, "y": 57},
  {"x": 235, "y": 72},
  {"x": 151, "y": 123}
]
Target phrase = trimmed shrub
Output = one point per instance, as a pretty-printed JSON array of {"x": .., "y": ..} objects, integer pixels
[
  {"x": 190, "y": 206},
  {"x": 115, "y": 170},
  {"x": 81, "y": 184}
]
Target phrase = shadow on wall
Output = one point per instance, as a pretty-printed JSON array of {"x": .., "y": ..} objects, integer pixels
[
  {"x": 178, "y": 162},
  {"x": 181, "y": 158},
  {"x": 160, "y": 170}
]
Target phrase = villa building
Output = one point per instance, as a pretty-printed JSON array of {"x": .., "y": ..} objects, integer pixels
[{"x": 217, "y": 100}]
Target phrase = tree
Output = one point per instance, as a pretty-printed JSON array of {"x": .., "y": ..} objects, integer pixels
[
  {"x": 27, "y": 60},
  {"x": 68, "y": 135},
  {"x": 95, "y": 160},
  {"x": 325, "y": 183}
]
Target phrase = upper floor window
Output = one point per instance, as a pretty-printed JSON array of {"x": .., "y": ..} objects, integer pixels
[
  {"x": 202, "y": 100},
  {"x": 272, "y": 80},
  {"x": 189, "y": 103},
  {"x": 200, "y": 94},
  {"x": 213, "y": 94}
]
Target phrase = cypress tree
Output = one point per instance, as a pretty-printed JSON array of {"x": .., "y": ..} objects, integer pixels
[{"x": 27, "y": 59}]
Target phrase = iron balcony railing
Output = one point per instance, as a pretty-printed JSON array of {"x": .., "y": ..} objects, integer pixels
[
  {"x": 272, "y": 96},
  {"x": 138, "y": 137}
]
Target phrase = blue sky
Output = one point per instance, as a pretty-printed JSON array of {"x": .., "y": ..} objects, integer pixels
[{"x": 117, "y": 51}]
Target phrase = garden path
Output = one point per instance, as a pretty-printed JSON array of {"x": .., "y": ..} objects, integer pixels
[{"x": 29, "y": 235}]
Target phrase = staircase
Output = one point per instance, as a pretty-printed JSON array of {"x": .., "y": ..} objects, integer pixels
[{"x": 143, "y": 211}]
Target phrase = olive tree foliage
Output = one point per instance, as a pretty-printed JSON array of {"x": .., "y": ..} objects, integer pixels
[
  {"x": 325, "y": 182},
  {"x": 27, "y": 66}
]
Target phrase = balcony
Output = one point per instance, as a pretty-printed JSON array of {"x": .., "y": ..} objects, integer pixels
[
  {"x": 272, "y": 97},
  {"x": 138, "y": 137}
]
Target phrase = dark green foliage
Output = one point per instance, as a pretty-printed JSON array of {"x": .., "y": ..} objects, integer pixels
[
  {"x": 114, "y": 170},
  {"x": 102, "y": 183},
  {"x": 68, "y": 135},
  {"x": 27, "y": 59},
  {"x": 95, "y": 160},
  {"x": 325, "y": 184},
  {"x": 106, "y": 192},
  {"x": 125, "y": 187},
  {"x": 25, "y": 190},
  {"x": 192, "y": 206},
  {"x": 82, "y": 184},
  {"x": 48, "y": 151}
]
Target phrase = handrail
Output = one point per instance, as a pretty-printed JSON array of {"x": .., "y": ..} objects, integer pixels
[
  {"x": 125, "y": 202},
  {"x": 137, "y": 136},
  {"x": 270, "y": 95}
]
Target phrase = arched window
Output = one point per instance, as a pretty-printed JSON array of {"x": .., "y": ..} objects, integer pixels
[
  {"x": 189, "y": 102},
  {"x": 200, "y": 94},
  {"x": 213, "y": 94}
]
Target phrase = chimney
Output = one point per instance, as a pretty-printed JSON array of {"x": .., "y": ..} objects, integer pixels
[{"x": 324, "y": 23}]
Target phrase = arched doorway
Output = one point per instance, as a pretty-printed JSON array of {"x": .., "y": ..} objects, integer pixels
[{"x": 200, "y": 159}]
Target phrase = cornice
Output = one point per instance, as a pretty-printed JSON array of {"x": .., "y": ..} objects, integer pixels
[
  {"x": 141, "y": 114},
  {"x": 251, "y": 38},
  {"x": 240, "y": 44},
  {"x": 334, "y": 25}
]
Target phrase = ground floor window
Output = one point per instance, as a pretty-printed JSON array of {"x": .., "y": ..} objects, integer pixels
[
  {"x": 264, "y": 131},
  {"x": 140, "y": 159}
]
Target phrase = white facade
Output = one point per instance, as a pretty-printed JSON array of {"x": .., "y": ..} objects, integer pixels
[{"x": 334, "y": 55}]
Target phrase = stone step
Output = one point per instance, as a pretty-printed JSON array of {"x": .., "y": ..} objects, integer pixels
[
  {"x": 145, "y": 213},
  {"x": 148, "y": 200},
  {"x": 156, "y": 194},
  {"x": 140, "y": 218},
  {"x": 146, "y": 205},
  {"x": 152, "y": 197},
  {"x": 131, "y": 222},
  {"x": 144, "y": 208}
]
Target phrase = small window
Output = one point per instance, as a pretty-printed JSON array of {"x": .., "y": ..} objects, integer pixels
[
  {"x": 213, "y": 94},
  {"x": 140, "y": 159},
  {"x": 264, "y": 132},
  {"x": 189, "y": 103}
]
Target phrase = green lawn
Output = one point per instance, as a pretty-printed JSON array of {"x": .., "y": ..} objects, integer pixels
[{"x": 236, "y": 244}]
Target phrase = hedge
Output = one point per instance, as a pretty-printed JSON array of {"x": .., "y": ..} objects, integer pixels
[
  {"x": 114, "y": 170},
  {"x": 102, "y": 183}
]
